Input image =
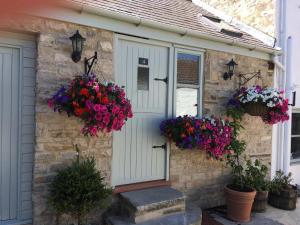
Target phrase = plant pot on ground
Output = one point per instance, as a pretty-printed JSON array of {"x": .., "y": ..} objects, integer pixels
[
  {"x": 256, "y": 174},
  {"x": 283, "y": 194},
  {"x": 239, "y": 202},
  {"x": 239, "y": 197}
]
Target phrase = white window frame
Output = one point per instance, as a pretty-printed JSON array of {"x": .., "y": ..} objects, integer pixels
[
  {"x": 199, "y": 53},
  {"x": 297, "y": 160}
]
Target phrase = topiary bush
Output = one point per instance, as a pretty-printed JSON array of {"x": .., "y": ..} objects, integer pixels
[{"x": 78, "y": 189}]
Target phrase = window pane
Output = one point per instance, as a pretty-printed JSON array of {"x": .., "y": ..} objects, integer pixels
[
  {"x": 186, "y": 101},
  {"x": 143, "y": 79},
  {"x": 295, "y": 148},
  {"x": 296, "y": 123},
  {"x": 188, "y": 68}
]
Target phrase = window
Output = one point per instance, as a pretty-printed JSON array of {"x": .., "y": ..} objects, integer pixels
[
  {"x": 295, "y": 142},
  {"x": 188, "y": 90},
  {"x": 143, "y": 75}
]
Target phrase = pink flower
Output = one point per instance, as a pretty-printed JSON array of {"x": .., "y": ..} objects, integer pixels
[{"x": 97, "y": 107}]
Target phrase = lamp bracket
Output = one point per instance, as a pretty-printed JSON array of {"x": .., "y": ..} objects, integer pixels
[
  {"x": 89, "y": 62},
  {"x": 246, "y": 77}
]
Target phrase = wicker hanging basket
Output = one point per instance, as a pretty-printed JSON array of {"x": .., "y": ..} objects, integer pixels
[{"x": 255, "y": 109}]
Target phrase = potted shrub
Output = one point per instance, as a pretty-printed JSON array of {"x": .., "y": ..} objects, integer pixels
[
  {"x": 239, "y": 197},
  {"x": 78, "y": 189},
  {"x": 267, "y": 102},
  {"x": 283, "y": 194},
  {"x": 256, "y": 174}
]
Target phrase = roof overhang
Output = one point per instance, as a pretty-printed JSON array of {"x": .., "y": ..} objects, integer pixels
[{"x": 107, "y": 19}]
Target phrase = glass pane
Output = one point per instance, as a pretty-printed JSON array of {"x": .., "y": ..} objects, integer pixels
[
  {"x": 143, "y": 79},
  {"x": 295, "y": 148},
  {"x": 186, "y": 101},
  {"x": 188, "y": 68},
  {"x": 296, "y": 123}
]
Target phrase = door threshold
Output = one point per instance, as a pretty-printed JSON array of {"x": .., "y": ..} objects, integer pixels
[{"x": 138, "y": 186}]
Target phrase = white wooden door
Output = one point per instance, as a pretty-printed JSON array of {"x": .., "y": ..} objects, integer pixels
[
  {"x": 9, "y": 120},
  {"x": 138, "y": 151}
]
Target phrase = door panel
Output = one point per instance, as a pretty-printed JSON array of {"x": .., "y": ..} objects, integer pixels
[
  {"x": 9, "y": 120},
  {"x": 134, "y": 159}
]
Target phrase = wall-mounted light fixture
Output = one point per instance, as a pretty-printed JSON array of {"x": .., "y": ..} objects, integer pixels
[
  {"x": 77, "y": 45},
  {"x": 230, "y": 69}
]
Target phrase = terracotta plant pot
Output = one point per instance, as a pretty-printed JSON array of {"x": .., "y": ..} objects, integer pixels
[
  {"x": 239, "y": 204},
  {"x": 260, "y": 201},
  {"x": 286, "y": 199},
  {"x": 255, "y": 109}
]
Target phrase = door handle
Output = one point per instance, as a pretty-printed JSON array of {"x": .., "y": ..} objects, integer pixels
[
  {"x": 164, "y": 146},
  {"x": 160, "y": 79}
]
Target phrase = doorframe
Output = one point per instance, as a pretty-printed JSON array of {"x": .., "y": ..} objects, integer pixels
[
  {"x": 20, "y": 102},
  {"x": 19, "y": 41},
  {"x": 169, "y": 108}
]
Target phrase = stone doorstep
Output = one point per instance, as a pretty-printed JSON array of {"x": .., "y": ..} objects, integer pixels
[
  {"x": 192, "y": 216},
  {"x": 152, "y": 203}
]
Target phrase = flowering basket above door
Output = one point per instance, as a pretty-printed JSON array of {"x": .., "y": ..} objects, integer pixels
[
  {"x": 268, "y": 103},
  {"x": 208, "y": 134},
  {"x": 102, "y": 107}
]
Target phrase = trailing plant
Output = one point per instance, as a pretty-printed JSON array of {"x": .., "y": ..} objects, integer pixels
[
  {"x": 256, "y": 174},
  {"x": 102, "y": 107},
  {"x": 209, "y": 134},
  {"x": 280, "y": 182},
  {"x": 276, "y": 107},
  {"x": 78, "y": 189}
]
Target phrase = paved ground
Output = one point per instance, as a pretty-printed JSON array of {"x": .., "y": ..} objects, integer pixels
[{"x": 272, "y": 216}]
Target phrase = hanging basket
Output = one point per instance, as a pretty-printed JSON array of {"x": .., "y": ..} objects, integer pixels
[{"x": 255, "y": 109}]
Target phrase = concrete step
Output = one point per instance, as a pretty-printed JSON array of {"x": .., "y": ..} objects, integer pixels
[
  {"x": 151, "y": 203},
  {"x": 192, "y": 216}
]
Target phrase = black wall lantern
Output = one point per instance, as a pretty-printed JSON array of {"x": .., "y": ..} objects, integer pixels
[
  {"x": 77, "y": 44},
  {"x": 230, "y": 69}
]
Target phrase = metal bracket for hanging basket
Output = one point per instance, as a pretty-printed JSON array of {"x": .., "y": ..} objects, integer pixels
[
  {"x": 88, "y": 63},
  {"x": 246, "y": 77},
  {"x": 294, "y": 99}
]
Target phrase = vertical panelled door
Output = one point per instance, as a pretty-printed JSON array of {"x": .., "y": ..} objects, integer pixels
[
  {"x": 9, "y": 120},
  {"x": 139, "y": 151}
]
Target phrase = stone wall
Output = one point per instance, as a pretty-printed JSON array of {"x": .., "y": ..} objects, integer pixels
[
  {"x": 203, "y": 179},
  {"x": 257, "y": 13},
  {"x": 56, "y": 134}
]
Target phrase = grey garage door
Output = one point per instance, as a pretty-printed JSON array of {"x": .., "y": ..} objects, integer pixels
[{"x": 17, "y": 97}]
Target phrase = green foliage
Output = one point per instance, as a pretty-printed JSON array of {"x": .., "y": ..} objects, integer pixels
[
  {"x": 255, "y": 175},
  {"x": 78, "y": 189},
  {"x": 238, "y": 148},
  {"x": 280, "y": 182}
]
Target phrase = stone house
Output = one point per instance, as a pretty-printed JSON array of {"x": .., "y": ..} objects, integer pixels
[{"x": 163, "y": 36}]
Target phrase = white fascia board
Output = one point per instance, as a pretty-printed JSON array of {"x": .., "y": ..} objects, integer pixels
[{"x": 135, "y": 26}]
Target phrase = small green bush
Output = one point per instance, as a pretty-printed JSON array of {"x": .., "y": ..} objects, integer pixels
[
  {"x": 281, "y": 182},
  {"x": 256, "y": 174},
  {"x": 78, "y": 189}
]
